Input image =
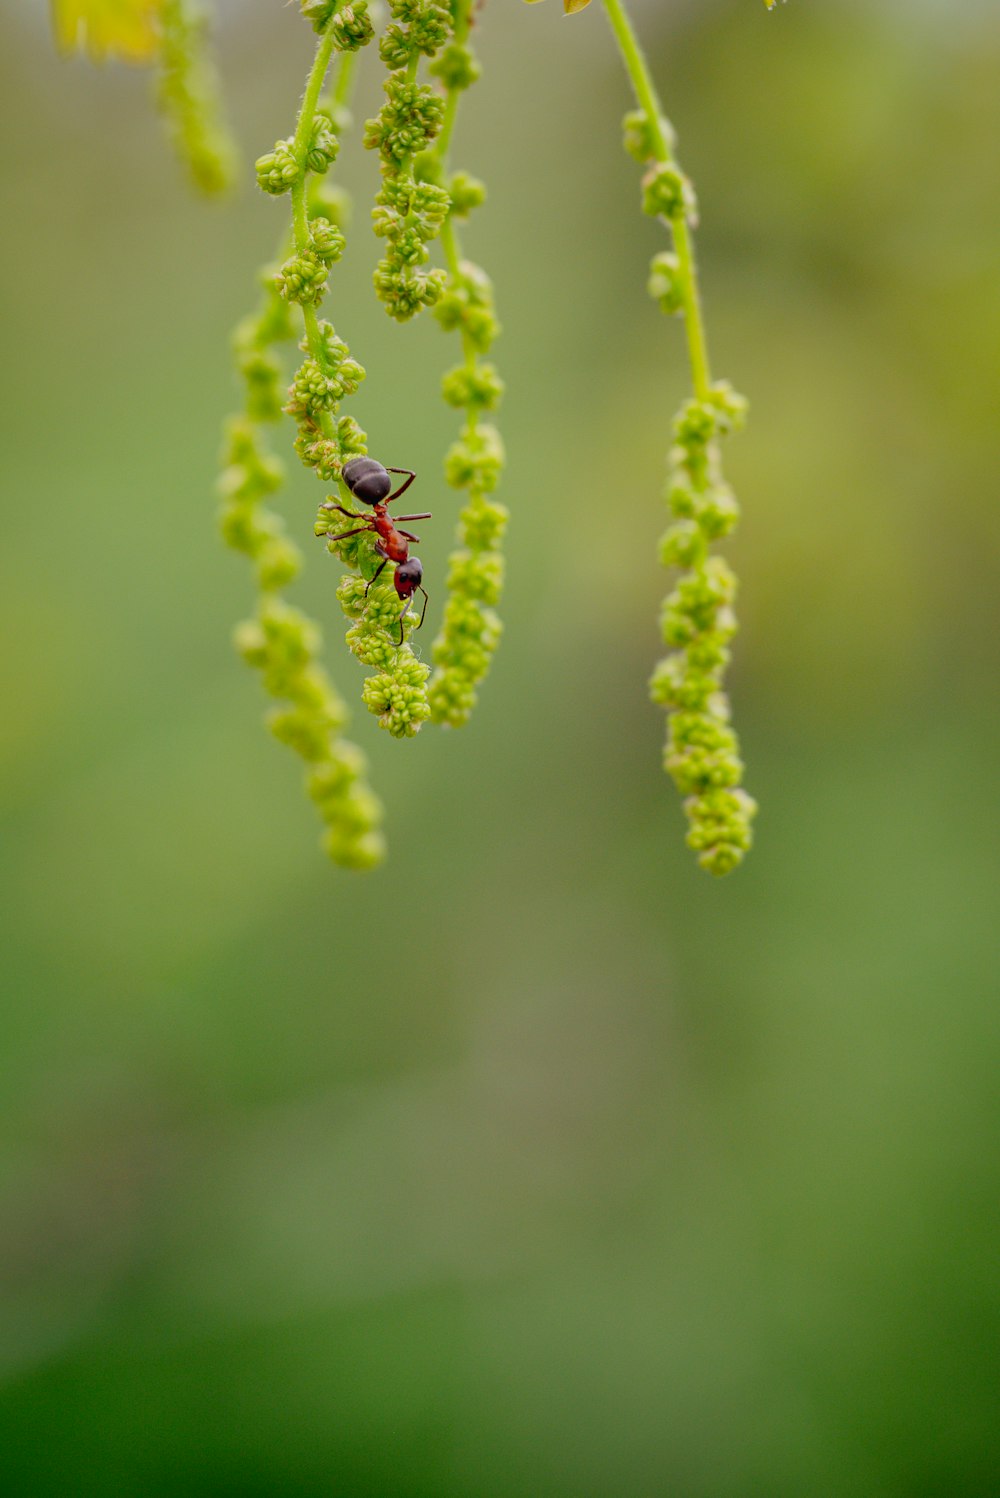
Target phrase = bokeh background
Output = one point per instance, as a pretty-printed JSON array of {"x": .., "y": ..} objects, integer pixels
[{"x": 537, "y": 1164}]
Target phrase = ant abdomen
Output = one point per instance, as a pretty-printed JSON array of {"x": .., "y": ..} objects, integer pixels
[{"x": 367, "y": 480}]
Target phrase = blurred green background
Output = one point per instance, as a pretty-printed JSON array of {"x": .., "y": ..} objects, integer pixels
[{"x": 537, "y": 1164}]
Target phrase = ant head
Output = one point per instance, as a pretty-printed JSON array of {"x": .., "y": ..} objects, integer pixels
[
  {"x": 408, "y": 576},
  {"x": 367, "y": 480}
]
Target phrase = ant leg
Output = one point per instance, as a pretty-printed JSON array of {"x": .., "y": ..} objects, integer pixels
[
  {"x": 425, "y": 516},
  {"x": 404, "y": 486},
  {"x": 374, "y": 578},
  {"x": 331, "y": 505},
  {"x": 410, "y": 536},
  {"x": 343, "y": 535},
  {"x": 406, "y": 610}
]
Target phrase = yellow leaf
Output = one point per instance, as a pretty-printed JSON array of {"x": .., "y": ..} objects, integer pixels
[
  {"x": 108, "y": 28},
  {"x": 569, "y": 6}
]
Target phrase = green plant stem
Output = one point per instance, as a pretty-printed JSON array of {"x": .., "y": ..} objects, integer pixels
[
  {"x": 648, "y": 99},
  {"x": 300, "y": 214},
  {"x": 450, "y": 242},
  {"x": 462, "y": 14}
]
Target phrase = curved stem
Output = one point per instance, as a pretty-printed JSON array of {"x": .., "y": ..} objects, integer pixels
[
  {"x": 450, "y": 242},
  {"x": 648, "y": 99},
  {"x": 300, "y": 215}
]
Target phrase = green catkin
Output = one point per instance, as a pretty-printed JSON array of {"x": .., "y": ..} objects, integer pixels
[
  {"x": 397, "y": 692},
  {"x": 409, "y": 210},
  {"x": 190, "y": 98},
  {"x": 280, "y": 642},
  {"x": 470, "y": 630},
  {"x": 702, "y": 751}
]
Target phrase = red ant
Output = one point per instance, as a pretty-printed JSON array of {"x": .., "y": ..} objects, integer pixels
[{"x": 369, "y": 481}]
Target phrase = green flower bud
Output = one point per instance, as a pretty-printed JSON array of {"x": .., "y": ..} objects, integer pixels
[
  {"x": 306, "y": 732},
  {"x": 395, "y": 47},
  {"x": 312, "y": 391},
  {"x": 467, "y": 306},
  {"x": 466, "y": 193},
  {"x": 638, "y": 137},
  {"x": 731, "y": 407},
  {"x": 483, "y": 523},
  {"x": 683, "y": 545},
  {"x": 302, "y": 279},
  {"x": 278, "y": 170},
  {"x": 666, "y": 283},
  {"x": 408, "y": 121},
  {"x": 318, "y": 12},
  {"x": 477, "y": 576},
  {"x": 429, "y": 31},
  {"x": 476, "y": 387},
  {"x": 352, "y": 28},
  {"x": 695, "y": 425},
  {"x": 667, "y": 193},
  {"x": 326, "y": 241},
  {"x": 457, "y": 67},
  {"x": 718, "y": 512},
  {"x": 278, "y": 563},
  {"x": 675, "y": 684},
  {"x": 405, "y": 294},
  {"x": 321, "y": 152},
  {"x": 262, "y": 374},
  {"x": 476, "y": 461},
  {"x": 682, "y": 499}
]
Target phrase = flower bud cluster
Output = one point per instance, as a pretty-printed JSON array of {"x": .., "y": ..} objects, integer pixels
[
  {"x": 283, "y": 168},
  {"x": 397, "y": 691},
  {"x": 666, "y": 283},
  {"x": 302, "y": 278},
  {"x": 417, "y": 26},
  {"x": 667, "y": 193},
  {"x": 467, "y": 307},
  {"x": 189, "y": 95},
  {"x": 322, "y": 380},
  {"x": 471, "y": 630},
  {"x": 639, "y": 137},
  {"x": 250, "y": 473},
  {"x": 352, "y": 28},
  {"x": 349, "y": 25},
  {"x": 253, "y": 345},
  {"x": 281, "y": 643},
  {"x": 702, "y": 752},
  {"x": 409, "y": 209}
]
